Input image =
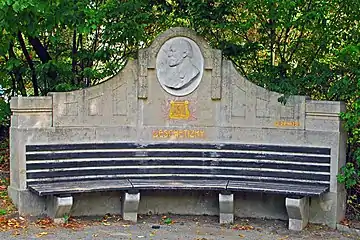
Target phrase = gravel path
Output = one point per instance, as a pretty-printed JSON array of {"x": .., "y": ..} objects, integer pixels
[{"x": 187, "y": 228}]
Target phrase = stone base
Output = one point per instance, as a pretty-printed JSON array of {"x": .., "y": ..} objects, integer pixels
[
  {"x": 298, "y": 211},
  {"x": 27, "y": 202},
  {"x": 226, "y": 208},
  {"x": 59, "y": 207},
  {"x": 328, "y": 209},
  {"x": 130, "y": 206},
  {"x": 324, "y": 210}
]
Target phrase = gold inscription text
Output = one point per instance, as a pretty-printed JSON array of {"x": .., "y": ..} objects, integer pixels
[
  {"x": 178, "y": 134},
  {"x": 287, "y": 124}
]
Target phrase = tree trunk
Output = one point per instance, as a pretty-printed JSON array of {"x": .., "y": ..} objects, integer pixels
[
  {"x": 44, "y": 57},
  {"x": 18, "y": 77},
  {"x": 31, "y": 64},
  {"x": 39, "y": 49},
  {"x": 74, "y": 61}
]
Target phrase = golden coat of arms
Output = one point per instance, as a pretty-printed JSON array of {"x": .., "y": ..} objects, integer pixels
[{"x": 179, "y": 110}]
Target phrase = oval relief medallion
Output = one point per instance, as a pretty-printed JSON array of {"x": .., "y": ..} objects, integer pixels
[{"x": 179, "y": 66}]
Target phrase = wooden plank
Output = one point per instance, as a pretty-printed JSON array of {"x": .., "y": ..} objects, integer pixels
[
  {"x": 165, "y": 161},
  {"x": 227, "y": 146},
  {"x": 178, "y": 171},
  {"x": 278, "y": 188},
  {"x": 145, "y": 184},
  {"x": 231, "y": 154},
  {"x": 59, "y": 188}
]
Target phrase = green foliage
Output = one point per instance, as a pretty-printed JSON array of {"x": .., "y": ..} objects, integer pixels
[
  {"x": 350, "y": 175},
  {"x": 3, "y": 212},
  {"x": 69, "y": 42},
  {"x": 5, "y": 112},
  {"x": 66, "y": 218}
]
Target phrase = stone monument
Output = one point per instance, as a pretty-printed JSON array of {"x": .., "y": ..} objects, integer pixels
[{"x": 178, "y": 90}]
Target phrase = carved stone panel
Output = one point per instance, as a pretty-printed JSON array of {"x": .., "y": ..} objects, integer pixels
[
  {"x": 119, "y": 100},
  {"x": 179, "y": 66},
  {"x": 71, "y": 105},
  {"x": 95, "y": 105},
  {"x": 143, "y": 73}
]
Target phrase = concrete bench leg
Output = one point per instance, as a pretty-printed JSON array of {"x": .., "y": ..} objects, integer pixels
[
  {"x": 298, "y": 211},
  {"x": 226, "y": 205},
  {"x": 60, "y": 207},
  {"x": 130, "y": 206}
]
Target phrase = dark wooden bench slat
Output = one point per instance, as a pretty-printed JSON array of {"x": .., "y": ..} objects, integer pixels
[
  {"x": 179, "y": 171},
  {"x": 176, "y": 145},
  {"x": 59, "y": 188},
  {"x": 144, "y": 184},
  {"x": 278, "y": 188},
  {"x": 177, "y": 162},
  {"x": 196, "y": 154},
  {"x": 160, "y": 184}
]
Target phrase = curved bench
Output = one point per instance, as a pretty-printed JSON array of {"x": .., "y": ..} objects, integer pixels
[{"x": 60, "y": 170}]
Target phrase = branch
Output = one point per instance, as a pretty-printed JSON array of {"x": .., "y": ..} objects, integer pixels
[
  {"x": 296, "y": 46},
  {"x": 39, "y": 49},
  {"x": 30, "y": 62},
  {"x": 17, "y": 73},
  {"x": 74, "y": 52}
]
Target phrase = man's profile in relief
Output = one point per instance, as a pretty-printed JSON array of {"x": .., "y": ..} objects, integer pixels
[{"x": 181, "y": 69}]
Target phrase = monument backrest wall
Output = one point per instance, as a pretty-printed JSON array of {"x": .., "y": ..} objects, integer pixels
[{"x": 135, "y": 105}]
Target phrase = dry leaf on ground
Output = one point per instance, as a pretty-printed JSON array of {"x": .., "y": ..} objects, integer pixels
[
  {"x": 42, "y": 234},
  {"x": 243, "y": 227},
  {"x": 45, "y": 223}
]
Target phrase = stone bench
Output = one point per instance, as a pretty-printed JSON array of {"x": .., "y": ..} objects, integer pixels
[{"x": 60, "y": 170}]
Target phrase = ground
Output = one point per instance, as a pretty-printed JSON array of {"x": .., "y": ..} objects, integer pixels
[{"x": 167, "y": 227}]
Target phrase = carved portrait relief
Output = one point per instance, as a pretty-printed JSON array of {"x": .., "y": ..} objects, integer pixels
[{"x": 179, "y": 66}]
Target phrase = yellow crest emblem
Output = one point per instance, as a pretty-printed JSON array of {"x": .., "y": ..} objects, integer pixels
[{"x": 179, "y": 110}]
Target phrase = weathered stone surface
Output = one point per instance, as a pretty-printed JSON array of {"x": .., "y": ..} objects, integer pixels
[
  {"x": 59, "y": 207},
  {"x": 226, "y": 208},
  {"x": 298, "y": 211},
  {"x": 223, "y": 107},
  {"x": 130, "y": 206}
]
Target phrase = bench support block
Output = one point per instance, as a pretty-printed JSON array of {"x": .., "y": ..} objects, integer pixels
[
  {"x": 130, "y": 206},
  {"x": 298, "y": 211},
  {"x": 60, "y": 207},
  {"x": 226, "y": 205}
]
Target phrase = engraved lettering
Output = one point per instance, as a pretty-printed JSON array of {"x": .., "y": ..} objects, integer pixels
[
  {"x": 178, "y": 134},
  {"x": 287, "y": 124}
]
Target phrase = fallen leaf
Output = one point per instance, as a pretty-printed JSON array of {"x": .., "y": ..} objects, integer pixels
[
  {"x": 283, "y": 238},
  {"x": 243, "y": 227},
  {"x": 45, "y": 223},
  {"x": 242, "y": 236},
  {"x": 167, "y": 221},
  {"x": 73, "y": 224},
  {"x": 345, "y": 222},
  {"x": 42, "y": 234}
]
